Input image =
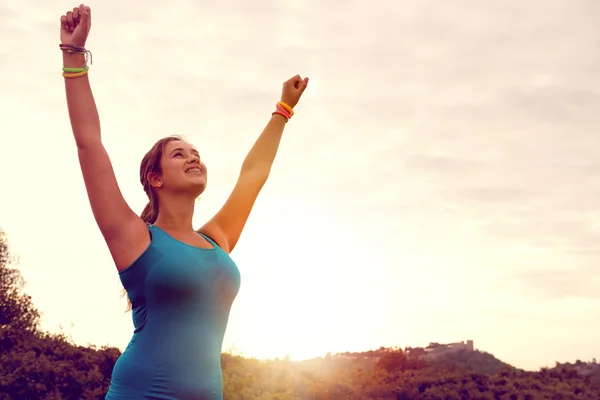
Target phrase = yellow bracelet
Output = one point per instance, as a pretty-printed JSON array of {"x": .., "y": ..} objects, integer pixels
[
  {"x": 76, "y": 74},
  {"x": 286, "y": 107}
]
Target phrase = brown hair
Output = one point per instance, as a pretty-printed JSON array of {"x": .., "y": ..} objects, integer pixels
[{"x": 151, "y": 163}]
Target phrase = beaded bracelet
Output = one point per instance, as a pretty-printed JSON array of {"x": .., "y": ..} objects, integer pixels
[{"x": 69, "y": 48}]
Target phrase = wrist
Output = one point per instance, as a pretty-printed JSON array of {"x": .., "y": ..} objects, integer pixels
[
  {"x": 73, "y": 60},
  {"x": 76, "y": 60},
  {"x": 279, "y": 116},
  {"x": 284, "y": 106},
  {"x": 283, "y": 110}
]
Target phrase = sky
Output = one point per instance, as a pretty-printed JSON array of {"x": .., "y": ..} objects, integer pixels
[{"x": 439, "y": 182}]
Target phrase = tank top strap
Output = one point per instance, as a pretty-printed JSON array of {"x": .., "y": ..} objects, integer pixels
[
  {"x": 153, "y": 229},
  {"x": 209, "y": 240},
  {"x": 157, "y": 234}
]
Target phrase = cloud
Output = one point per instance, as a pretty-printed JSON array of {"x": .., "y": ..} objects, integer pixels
[{"x": 572, "y": 282}]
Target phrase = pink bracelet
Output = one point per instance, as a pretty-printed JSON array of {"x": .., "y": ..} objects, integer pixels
[
  {"x": 284, "y": 111},
  {"x": 282, "y": 114}
]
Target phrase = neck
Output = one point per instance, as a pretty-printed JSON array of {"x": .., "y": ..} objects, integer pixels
[{"x": 176, "y": 213}]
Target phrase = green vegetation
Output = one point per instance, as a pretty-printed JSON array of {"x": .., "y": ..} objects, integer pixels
[{"x": 35, "y": 365}]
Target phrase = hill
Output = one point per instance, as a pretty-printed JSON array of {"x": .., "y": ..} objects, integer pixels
[
  {"x": 473, "y": 361},
  {"x": 464, "y": 357}
]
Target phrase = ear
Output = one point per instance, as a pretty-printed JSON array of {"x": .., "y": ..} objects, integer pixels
[{"x": 154, "y": 179}]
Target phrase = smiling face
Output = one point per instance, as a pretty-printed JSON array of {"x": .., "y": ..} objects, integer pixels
[{"x": 181, "y": 169}]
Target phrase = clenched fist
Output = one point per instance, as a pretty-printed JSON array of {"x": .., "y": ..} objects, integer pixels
[
  {"x": 293, "y": 89},
  {"x": 75, "y": 26}
]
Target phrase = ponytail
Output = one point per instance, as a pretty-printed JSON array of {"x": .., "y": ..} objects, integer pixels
[
  {"x": 129, "y": 305},
  {"x": 150, "y": 213}
]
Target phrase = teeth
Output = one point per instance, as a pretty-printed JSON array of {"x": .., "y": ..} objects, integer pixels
[{"x": 193, "y": 170}]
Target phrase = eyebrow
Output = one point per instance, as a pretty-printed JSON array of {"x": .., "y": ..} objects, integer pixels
[{"x": 193, "y": 151}]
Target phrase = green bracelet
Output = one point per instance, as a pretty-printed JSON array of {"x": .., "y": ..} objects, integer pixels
[{"x": 76, "y": 70}]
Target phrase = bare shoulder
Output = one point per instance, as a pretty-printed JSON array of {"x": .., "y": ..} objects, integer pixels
[{"x": 213, "y": 231}]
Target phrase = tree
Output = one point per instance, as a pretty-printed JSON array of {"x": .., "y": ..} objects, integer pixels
[
  {"x": 393, "y": 361},
  {"x": 18, "y": 316},
  {"x": 38, "y": 365}
]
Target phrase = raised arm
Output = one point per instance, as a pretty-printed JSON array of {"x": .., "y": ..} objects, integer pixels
[
  {"x": 125, "y": 233},
  {"x": 227, "y": 225}
]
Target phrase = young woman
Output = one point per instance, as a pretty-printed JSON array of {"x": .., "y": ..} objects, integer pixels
[{"x": 181, "y": 283}]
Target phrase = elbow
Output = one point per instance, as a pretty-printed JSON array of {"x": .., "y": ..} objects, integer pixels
[
  {"x": 87, "y": 138},
  {"x": 256, "y": 172},
  {"x": 256, "y": 176}
]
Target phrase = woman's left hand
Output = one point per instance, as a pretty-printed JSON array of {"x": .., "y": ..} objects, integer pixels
[{"x": 293, "y": 89}]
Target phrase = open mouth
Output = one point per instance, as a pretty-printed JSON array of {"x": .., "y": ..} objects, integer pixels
[{"x": 194, "y": 171}]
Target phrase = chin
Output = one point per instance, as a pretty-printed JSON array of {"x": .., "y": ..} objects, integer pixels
[
  {"x": 193, "y": 185},
  {"x": 199, "y": 188}
]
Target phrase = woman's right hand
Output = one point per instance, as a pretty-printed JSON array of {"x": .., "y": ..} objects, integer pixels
[{"x": 75, "y": 26}]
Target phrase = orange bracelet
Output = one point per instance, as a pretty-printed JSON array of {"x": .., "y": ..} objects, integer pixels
[{"x": 286, "y": 108}]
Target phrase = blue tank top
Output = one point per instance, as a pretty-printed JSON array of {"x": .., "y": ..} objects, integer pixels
[{"x": 181, "y": 297}]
